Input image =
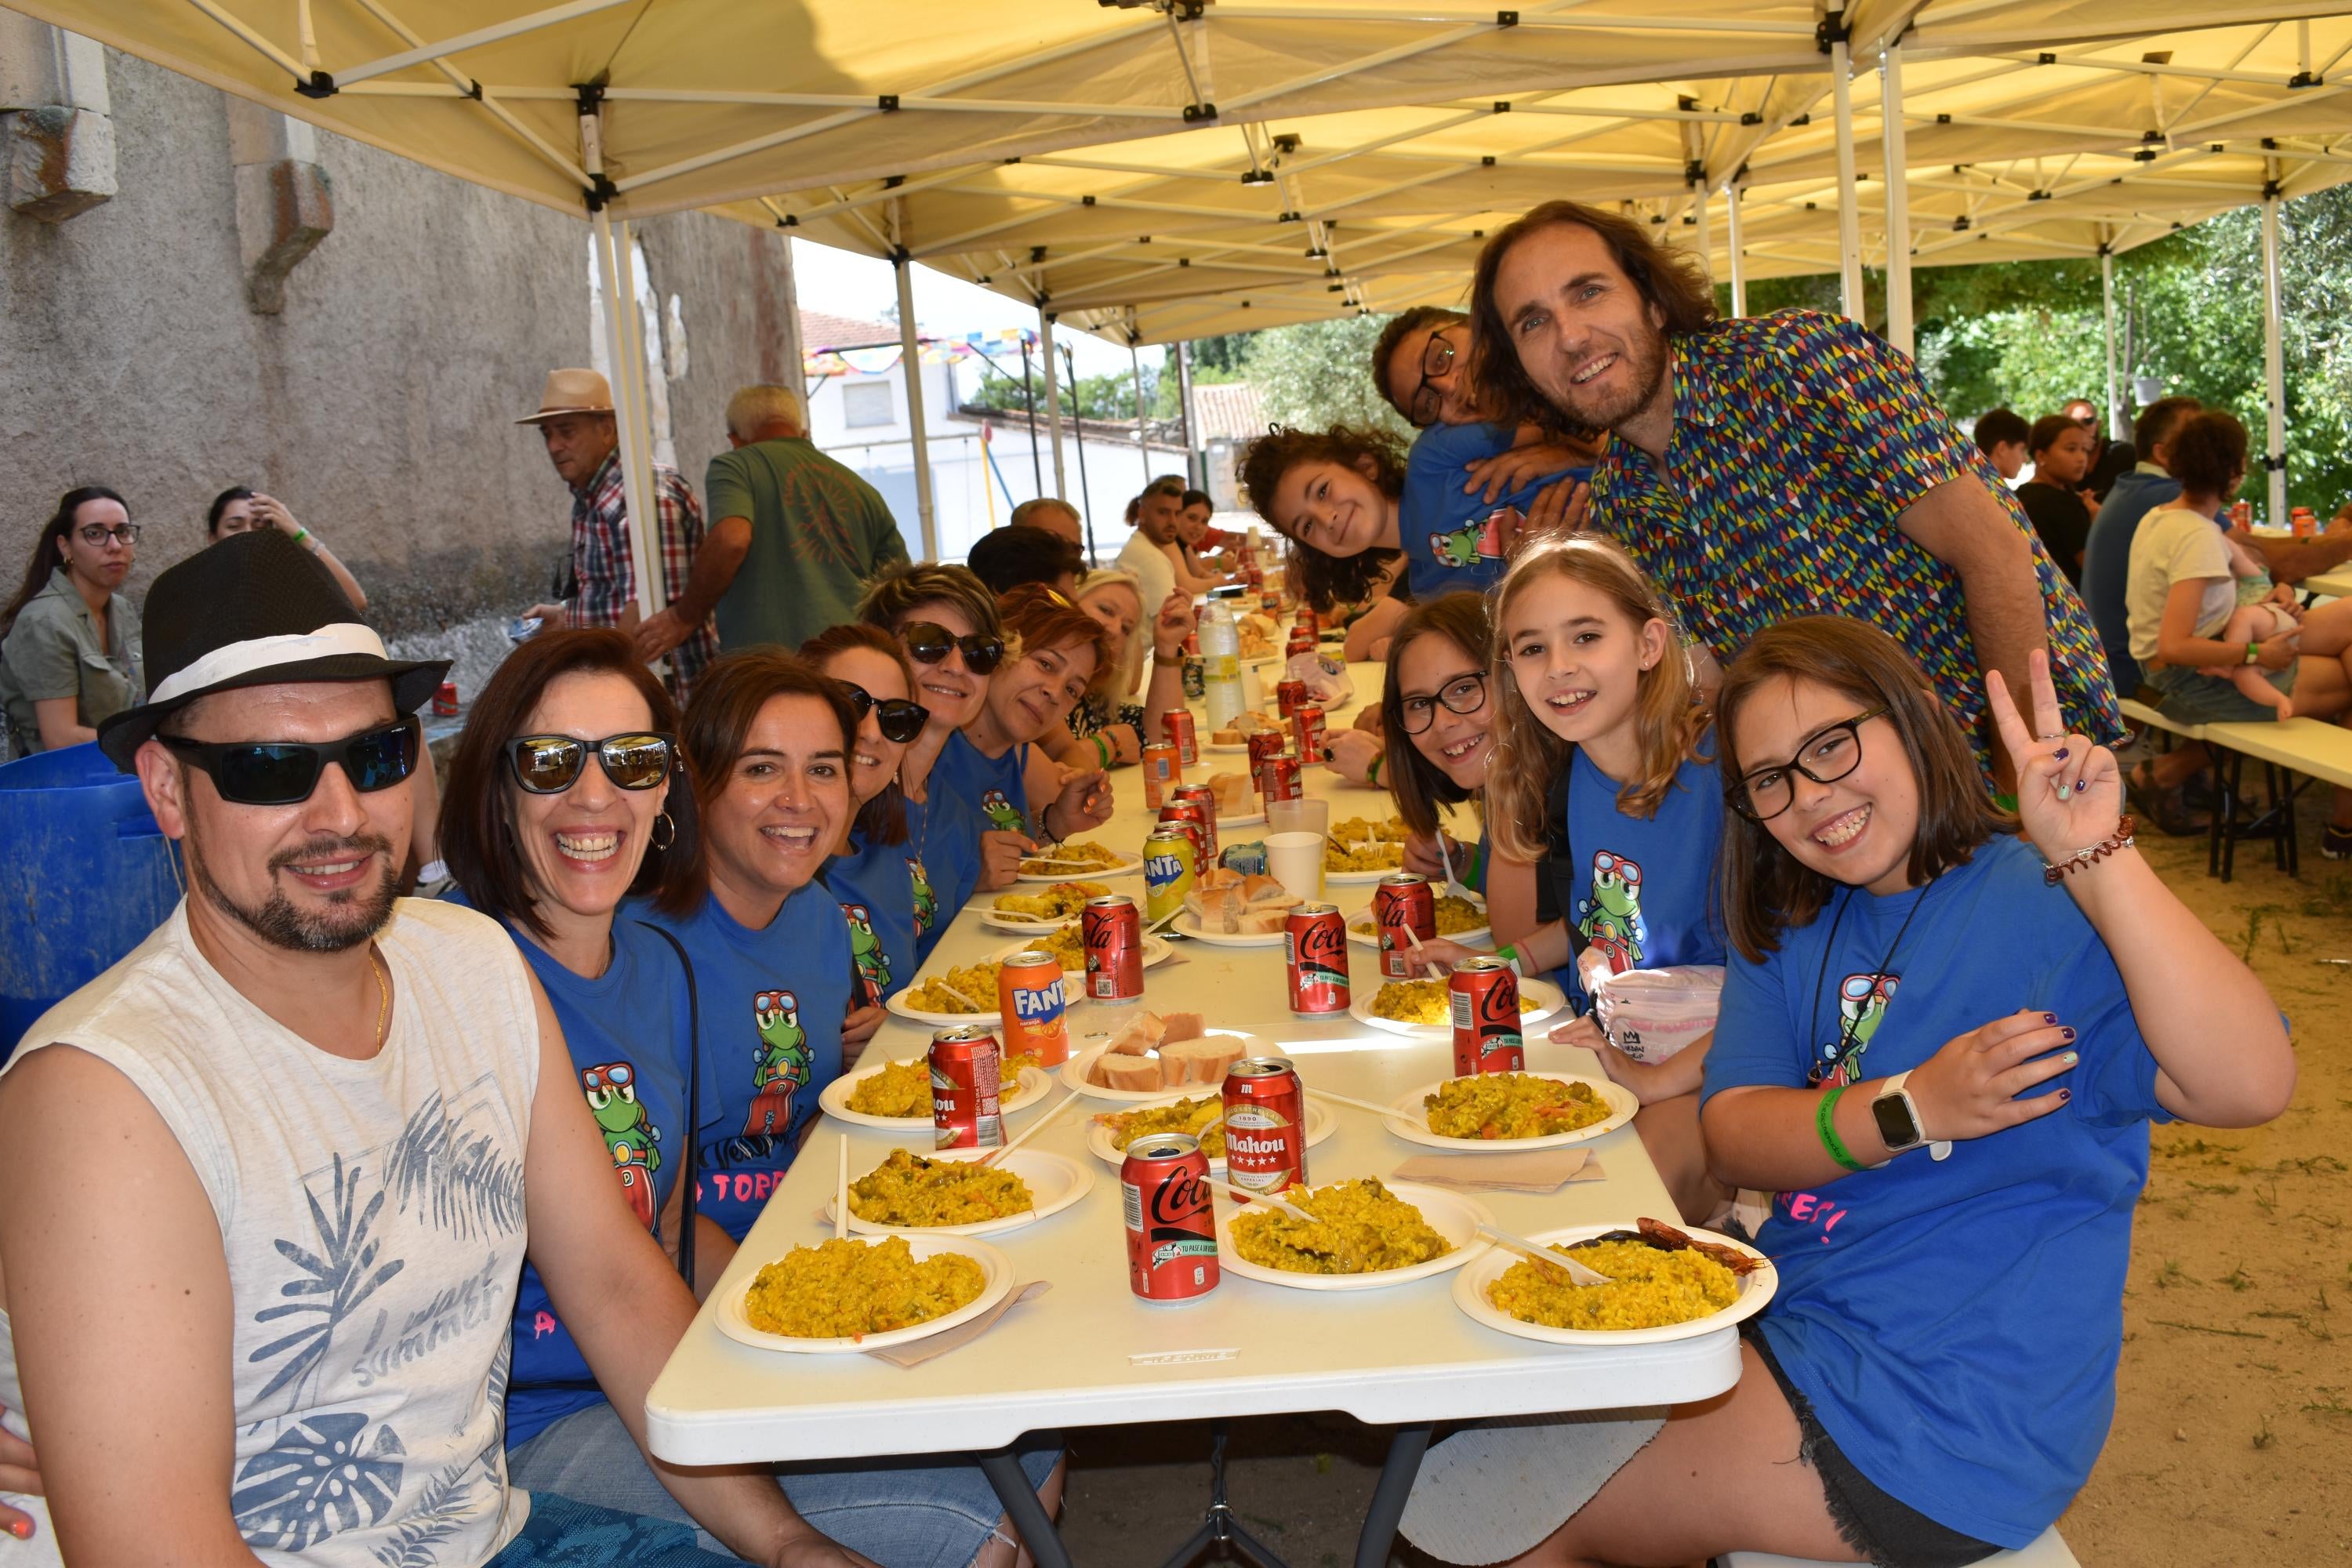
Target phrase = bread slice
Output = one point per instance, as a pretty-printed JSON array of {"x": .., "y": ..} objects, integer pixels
[
  {"x": 1202, "y": 1061},
  {"x": 1112, "y": 1072},
  {"x": 1181, "y": 1027},
  {"x": 1140, "y": 1035},
  {"x": 1220, "y": 877},
  {"x": 1260, "y": 923},
  {"x": 1260, "y": 891},
  {"x": 1216, "y": 908},
  {"x": 1225, "y": 737},
  {"x": 1234, "y": 794}
]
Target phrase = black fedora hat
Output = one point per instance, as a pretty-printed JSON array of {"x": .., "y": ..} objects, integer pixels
[{"x": 257, "y": 609}]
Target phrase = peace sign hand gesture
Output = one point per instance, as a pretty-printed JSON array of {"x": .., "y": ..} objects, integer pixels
[{"x": 2069, "y": 791}]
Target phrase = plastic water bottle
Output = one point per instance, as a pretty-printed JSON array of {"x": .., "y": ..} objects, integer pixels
[{"x": 1221, "y": 654}]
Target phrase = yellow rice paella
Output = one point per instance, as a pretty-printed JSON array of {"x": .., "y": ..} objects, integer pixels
[
  {"x": 1360, "y": 1227},
  {"x": 1647, "y": 1289},
  {"x": 1428, "y": 1003},
  {"x": 1504, "y": 1105},
  {"x": 1203, "y": 1119},
  {"x": 847, "y": 1288},
  {"x": 908, "y": 1189}
]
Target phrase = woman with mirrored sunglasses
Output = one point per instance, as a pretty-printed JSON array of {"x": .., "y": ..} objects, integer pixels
[
  {"x": 882, "y": 870},
  {"x": 946, "y": 619},
  {"x": 70, "y": 642}
]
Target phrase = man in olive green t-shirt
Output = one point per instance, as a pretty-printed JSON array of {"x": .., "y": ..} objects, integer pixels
[{"x": 794, "y": 536}]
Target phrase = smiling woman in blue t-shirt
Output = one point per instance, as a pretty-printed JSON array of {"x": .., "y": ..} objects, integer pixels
[{"x": 1941, "y": 1045}]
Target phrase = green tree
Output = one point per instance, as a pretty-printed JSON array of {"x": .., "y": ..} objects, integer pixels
[{"x": 1319, "y": 373}]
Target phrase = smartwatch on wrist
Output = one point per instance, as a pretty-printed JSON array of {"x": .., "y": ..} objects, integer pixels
[{"x": 1896, "y": 1115}]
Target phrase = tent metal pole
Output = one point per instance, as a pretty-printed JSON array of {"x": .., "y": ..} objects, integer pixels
[
  {"x": 1849, "y": 296},
  {"x": 2274, "y": 353},
  {"x": 1192, "y": 477},
  {"x": 1898, "y": 200},
  {"x": 1143, "y": 446},
  {"x": 1078, "y": 439},
  {"x": 1053, "y": 400},
  {"x": 1705, "y": 199},
  {"x": 2107, "y": 300},
  {"x": 638, "y": 420},
  {"x": 1029, "y": 400},
  {"x": 911, "y": 364},
  {"x": 636, "y": 487},
  {"x": 1738, "y": 255}
]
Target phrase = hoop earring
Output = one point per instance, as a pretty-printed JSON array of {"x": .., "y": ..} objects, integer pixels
[{"x": 660, "y": 822}]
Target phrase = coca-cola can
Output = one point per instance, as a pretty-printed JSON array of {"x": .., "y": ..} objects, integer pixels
[
  {"x": 1307, "y": 728},
  {"x": 1264, "y": 743},
  {"x": 1204, "y": 798},
  {"x": 1403, "y": 904},
  {"x": 1300, "y": 641},
  {"x": 1174, "y": 821},
  {"x": 1315, "y": 945},
  {"x": 1485, "y": 995},
  {"x": 1265, "y": 1125},
  {"x": 1178, "y": 725},
  {"x": 1112, "y": 929},
  {"x": 1171, "y": 1228},
  {"x": 1204, "y": 818},
  {"x": 1162, "y": 771},
  {"x": 966, "y": 1064},
  {"x": 1278, "y": 778},
  {"x": 1287, "y": 696},
  {"x": 1308, "y": 619}
]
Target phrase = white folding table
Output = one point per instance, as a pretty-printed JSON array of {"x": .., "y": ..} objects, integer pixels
[{"x": 1088, "y": 1354}]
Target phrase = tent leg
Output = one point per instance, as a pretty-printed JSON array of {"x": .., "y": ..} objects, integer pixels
[
  {"x": 910, "y": 361},
  {"x": 1194, "y": 478},
  {"x": 1850, "y": 294},
  {"x": 1898, "y": 201},
  {"x": 1078, "y": 439},
  {"x": 1053, "y": 400},
  {"x": 1143, "y": 446},
  {"x": 2115, "y": 430},
  {"x": 636, "y": 478},
  {"x": 2274, "y": 354},
  {"x": 1732, "y": 244},
  {"x": 1704, "y": 199}
]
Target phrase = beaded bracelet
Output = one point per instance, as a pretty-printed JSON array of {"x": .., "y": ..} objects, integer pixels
[{"x": 2052, "y": 873}]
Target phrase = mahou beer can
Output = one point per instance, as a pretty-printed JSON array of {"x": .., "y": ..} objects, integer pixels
[
  {"x": 1163, "y": 769},
  {"x": 1307, "y": 728},
  {"x": 965, "y": 1065},
  {"x": 1029, "y": 990},
  {"x": 1315, "y": 943},
  {"x": 1171, "y": 1231},
  {"x": 1402, "y": 903},
  {"x": 1265, "y": 1125},
  {"x": 1287, "y": 696},
  {"x": 1167, "y": 873},
  {"x": 1278, "y": 778},
  {"x": 1174, "y": 820},
  {"x": 1204, "y": 798},
  {"x": 1177, "y": 724},
  {"x": 1485, "y": 999},
  {"x": 1113, "y": 932}
]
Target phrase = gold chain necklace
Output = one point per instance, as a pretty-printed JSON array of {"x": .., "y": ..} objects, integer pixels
[{"x": 383, "y": 997}]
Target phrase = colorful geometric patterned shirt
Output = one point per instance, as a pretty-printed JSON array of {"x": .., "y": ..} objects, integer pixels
[
  {"x": 1798, "y": 438},
  {"x": 604, "y": 576}
]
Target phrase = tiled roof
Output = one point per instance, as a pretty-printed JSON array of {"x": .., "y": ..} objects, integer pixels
[
  {"x": 1227, "y": 410},
  {"x": 823, "y": 330}
]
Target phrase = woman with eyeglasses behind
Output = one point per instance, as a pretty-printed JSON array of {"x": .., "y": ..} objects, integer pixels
[
  {"x": 69, "y": 638},
  {"x": 1054, "y": 650},
  {"x": 878, "y": 869}
]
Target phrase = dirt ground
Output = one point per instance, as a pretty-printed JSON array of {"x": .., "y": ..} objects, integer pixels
[{"x": 2232, "y": 1436}]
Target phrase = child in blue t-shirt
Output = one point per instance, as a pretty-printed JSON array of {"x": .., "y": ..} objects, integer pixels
[
  {"x": 1592, "y": 683},
  {"x": 1455, "y": 537}
]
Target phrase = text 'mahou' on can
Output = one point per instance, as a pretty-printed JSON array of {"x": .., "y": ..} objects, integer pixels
[
  {"x": 1171, "y": 1226},
  {"x": 1265, "y": 1125},
  {"x": 1484, "y": 997},
  {"x": 966, "y": 1066}
]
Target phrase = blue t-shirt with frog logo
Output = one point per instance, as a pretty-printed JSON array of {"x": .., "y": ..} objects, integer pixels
[
  {"x": 1955, "y": 1323},
  {"x": 1447, "y": 545},
  {"x": 1644, "y": 891}
]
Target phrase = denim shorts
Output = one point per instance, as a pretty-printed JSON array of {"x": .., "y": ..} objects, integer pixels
[
  {"x": 925, "y": 1510},
  {"x": 2186, "y": 697}
]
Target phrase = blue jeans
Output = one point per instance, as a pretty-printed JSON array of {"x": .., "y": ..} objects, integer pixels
[
  {"x": 565, "y": 1533},
  {"x": 910, "y": 1512}
]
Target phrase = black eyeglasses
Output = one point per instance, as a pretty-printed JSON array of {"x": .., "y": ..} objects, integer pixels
[
  {"x": 549, "y": 764},
  {"x": 284, "y": 772},
  {"x": 901, "y": 719},
  {"x": 1437, "y": 358},
  {"x": 1763, "y": 793},
  {"x": 927, "y": 643},
  {"x": 1463, "y": 694},
  {"x": 99, "y": 533}
]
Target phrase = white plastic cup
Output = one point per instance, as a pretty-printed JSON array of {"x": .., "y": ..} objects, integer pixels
[
  {"x": 1301, "y": 816},
  {"x": 1296, "y": 860}
]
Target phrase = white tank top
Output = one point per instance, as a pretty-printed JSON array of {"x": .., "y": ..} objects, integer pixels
[{"x": 373, "y": 1217}]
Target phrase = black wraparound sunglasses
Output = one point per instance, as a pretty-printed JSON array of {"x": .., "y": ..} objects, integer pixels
[
  {"x": 928, "y": 643},
  {"x": 549, "y": 764},
  {"x": 901, "y": 719},
  {"x": 284, "y": 772}
]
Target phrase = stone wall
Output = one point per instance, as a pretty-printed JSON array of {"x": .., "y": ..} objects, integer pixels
[{"x": 378, "y": 402}]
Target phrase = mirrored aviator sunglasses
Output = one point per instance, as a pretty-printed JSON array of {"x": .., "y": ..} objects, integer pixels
[
  {"x": 285, "y": 773},
  {"x": 549, "y": 764},
  {"x": 929, "y": 644},
  {"x": 900, "y": 719}
]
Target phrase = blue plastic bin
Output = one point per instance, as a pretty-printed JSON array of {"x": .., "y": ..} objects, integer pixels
[{"x": 85, "y": 874}]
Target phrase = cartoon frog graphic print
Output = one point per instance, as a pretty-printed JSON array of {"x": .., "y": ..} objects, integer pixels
[
  {"x": 873, "y": 965},
  {"x": 780, "y": 1064},
  {"x": 1861, "y": 1006},
  {"x": 1609, "y": 917},
  {"x": 629, "y": 1137},
  {"x": 927, "y": 902},
  {"x": 1479, "y": 540},
  {"x": 1001, "y": 814}
]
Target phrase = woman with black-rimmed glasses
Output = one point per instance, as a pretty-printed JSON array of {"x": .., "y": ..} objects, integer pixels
[{"x": 70, "y": 653}]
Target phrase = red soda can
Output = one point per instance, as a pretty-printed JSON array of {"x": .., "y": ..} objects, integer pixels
[
  {"x": 1314, "y": 944},
  {"x": 1029, "y": 991},
  {"x": 1306, "y": 618},
  {"x": 1307, "y": 726},
  {"x": 1171, "y": 1231},
  {"x": 1402, "y": 903},
  {"x": 1162, "y": 771},
  {"x": 1191, "y": 809},
  {"x": 1278, "y": 778},
  {"x": 1265, "y": 1125},
  {"x": 1485, "y": 999},
  {"x": 2241, "y": 514},
  {"x": 1264, "y": 743},
  {"x": 2303, "y": 522},
  {"x": 1204, "y": 798},
  {"x": 966, "y": 1062},
  {"x": 1300, "y": 641},
  {"x": 1287, "y": 696},
  {"x": 1175, "y": 820},
  {"x": 1112, "y": 930},
  {"x": 1178, "y": 723},
  {"x": 444, "y": 701}
]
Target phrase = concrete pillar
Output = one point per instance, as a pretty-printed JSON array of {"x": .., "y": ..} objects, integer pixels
[
  {"x": 285, "y": 201},
  {"x": 56, "y": 122}
]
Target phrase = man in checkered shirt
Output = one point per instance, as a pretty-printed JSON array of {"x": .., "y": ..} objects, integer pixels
[{"x": 575, "y": 418}]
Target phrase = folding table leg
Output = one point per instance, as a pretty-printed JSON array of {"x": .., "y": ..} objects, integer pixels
[
  {"x": 1028, "y": 1515},
  {"x": 2282, "y": 811},
  {"x": 2219, "y": 827},
  {"x": 1406, "y": 1445},
  {"x": 2231, "y": 796}
]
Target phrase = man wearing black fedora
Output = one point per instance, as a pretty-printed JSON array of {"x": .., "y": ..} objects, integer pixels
[{"x": 272, "y": 1178}]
